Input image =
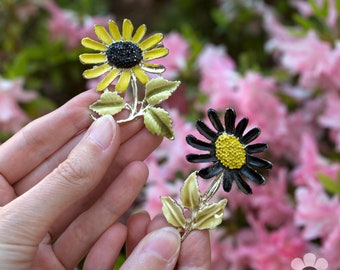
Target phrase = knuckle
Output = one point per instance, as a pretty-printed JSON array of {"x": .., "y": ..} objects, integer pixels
[{"x": 72, "y": 170}]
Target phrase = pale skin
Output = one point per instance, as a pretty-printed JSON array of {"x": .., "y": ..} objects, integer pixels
[{"x": 66, "y": 180}]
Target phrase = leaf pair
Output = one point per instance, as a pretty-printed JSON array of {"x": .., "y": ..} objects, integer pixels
[{"x": 202, "y": 215}]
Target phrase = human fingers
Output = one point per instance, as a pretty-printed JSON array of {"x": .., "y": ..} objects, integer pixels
[
  {"x": 50, "y": 163},
  {"x": 42, "y": 137},
  {"x": 105, "y": 251},
  {"x": 158, "y": 250},
  {"x": 29, "y": 217},
  {"x": 137, "y": 226},
  {"x": 136, "y": 148},
  {"x": 195, "y": 252},
  {"x": 76, "y": 240}
]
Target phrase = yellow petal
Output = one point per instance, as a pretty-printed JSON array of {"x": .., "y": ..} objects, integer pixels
[
  {"x": 108, "y": 79},
  {"x": 140, "y": 32},
  {"x": 127, "y": 29},
  {"x": 123, "y": 81},
  {"x": 140, "y": 74},
  {"x": 102, "y": 34},
  {"x": 93, "y": 44},
  {"x": 151, "y": 41},
  {"x": 92, "y": 58},
  {"x": 153, "y": 68},
  {"x": 96, "y": 71},
  {"x": 155, "y": 53},
  {"x": 114, "y": 31}
]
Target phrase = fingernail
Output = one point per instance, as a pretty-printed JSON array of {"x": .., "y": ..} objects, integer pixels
[
  {"x": 164, "y": 243},
  {"x": 102, "y": 131}
]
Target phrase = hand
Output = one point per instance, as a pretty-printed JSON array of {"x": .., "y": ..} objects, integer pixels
[
  {"x": 152, "y": 245},
  {"x": 63, "y": 185}
]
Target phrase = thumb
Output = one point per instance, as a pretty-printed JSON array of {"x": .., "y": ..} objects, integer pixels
[
  {"x": 32, "y": 214},
  {"x": 159, "y": 250}
]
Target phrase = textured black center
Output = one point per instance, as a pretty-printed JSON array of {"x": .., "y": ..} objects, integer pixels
[
  {"x": 309, "y": 268},
  {"x": 124, "y": 54}
]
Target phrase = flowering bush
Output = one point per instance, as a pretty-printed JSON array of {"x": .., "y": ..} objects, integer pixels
[{"x": 277, "y": 65}]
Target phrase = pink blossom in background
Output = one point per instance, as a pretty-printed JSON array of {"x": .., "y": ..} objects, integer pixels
[
  {"x": 330, "y": 117},
  {"x": 173, "y": 152},
  {"x": 330, "y": 248},
  {"x": 218, "y": 77},
  {"x": 12, "y": 92},
  {"x": 67, "y": 26},
  {"x": 316, "y": 212},
  {"x": 311, "y": 163},
  {"x": 329, "y": 74},
  {"x": 258, "y": 101},
  {"x": 177, "y": 58},
  {"x": 276, "y": 249}
]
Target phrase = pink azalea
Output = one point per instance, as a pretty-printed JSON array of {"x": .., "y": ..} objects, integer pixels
[
  {"x": 67, "y": 26},
  {"x": 316, "y": 212},
  {"x": 175, "y": 61},
  {"x": 329, "y": 77},
  {"x": 258, "y": 101},
  {"x": 219, "y": 78},
  {"x": 330, "y": 248},
  {"x": 275, "y": 249},
  {"x": 173, "y": 152},
  {"x": 330, "y": 117},
  {"x": 312, "y": 163},
  {"x": 12, "y": 92}
]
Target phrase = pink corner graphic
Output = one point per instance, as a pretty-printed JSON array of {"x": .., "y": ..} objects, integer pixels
[{"x": 309, "y": 262}]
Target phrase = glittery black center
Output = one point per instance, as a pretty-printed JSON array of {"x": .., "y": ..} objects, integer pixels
[{"x": 124, "y": 54}]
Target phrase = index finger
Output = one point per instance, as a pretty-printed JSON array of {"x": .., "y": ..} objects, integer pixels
[{"x": 42, "y": 137}]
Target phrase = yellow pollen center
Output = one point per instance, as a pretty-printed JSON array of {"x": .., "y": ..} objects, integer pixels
[{"x": 230, "y": 152}]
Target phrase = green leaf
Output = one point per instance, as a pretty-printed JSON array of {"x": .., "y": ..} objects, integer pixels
[
  {"x": 108, "y": 103},
  {"x": 329, "y": 184},
  {"x": 173, "y": 213},
  {"x": 159, "y": 89},
  {"x": 190, "y": 195},
  {"x": 158, "y": 122},
  {"x": 210, "y": 216}
]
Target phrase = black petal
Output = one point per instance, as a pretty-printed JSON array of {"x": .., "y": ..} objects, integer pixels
[
  {"x": 250, "y": 136},
  {"x": 215, "y": 121},
  {"x": 227, "y": 181},
  {"x": 201, "y": 158},
  {"x": 241, "y": 126},
  {"x": 198, "y": 144},
  {"x": 252, "y": 175},
  {"x": 256, "y": 148},
  {"x": 259, "y": 162},
  {"x": 229, "y": 120},
  {"x": 205, "y": 130},
  {"x": 241, "y": 184},
  {"x": 211, "y": 171}
]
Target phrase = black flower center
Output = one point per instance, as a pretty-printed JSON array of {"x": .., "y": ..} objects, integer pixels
[
  {"x": 124, "y": 54},
  {"x": 309, "y": 268}
]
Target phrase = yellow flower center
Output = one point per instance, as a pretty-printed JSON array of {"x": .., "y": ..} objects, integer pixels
[{"x": 230, "y": 152}]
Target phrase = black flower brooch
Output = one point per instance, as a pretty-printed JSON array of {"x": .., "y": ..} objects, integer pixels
[
  {"x": 122, "y": 61},
  {"x": 230, "y": 153}
]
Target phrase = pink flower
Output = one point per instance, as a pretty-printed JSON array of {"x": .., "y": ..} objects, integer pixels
[
  {"x": 67, "y": 26},
  {"x": 329, "y": 78},
  {"x": 330, "y": 117},
  {"x": 312, "y": 163},
  {"x": 219, "y": 77},
  {"x": 275, "y": 249},
  {"x": 12, "y": 117},
  {"x": 316, "y": 212},
  {"x": 173, "y": 153},
  {"x": 330, "y": 248},
  {"x": 175, "y": 61}
]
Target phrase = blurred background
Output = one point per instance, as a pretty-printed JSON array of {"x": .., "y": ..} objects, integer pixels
[{"x": 275, "y": 62}]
